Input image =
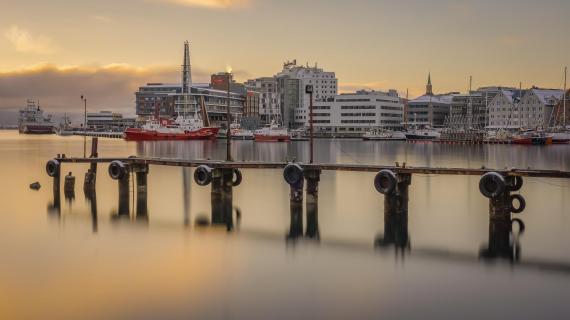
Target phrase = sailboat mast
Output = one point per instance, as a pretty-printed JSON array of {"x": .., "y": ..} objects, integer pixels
[{"x": 564, "y": 99}]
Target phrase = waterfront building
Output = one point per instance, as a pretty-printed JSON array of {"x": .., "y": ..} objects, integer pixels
[
  {"x": 292, "y": 81},
  {"x": 429, "y": 109},
  {"x": 352, "y": 114},
  {"x": 527, "y": 109},
  {"x": 108, "y": 121},
  {"x": 184, "y": 98},
  {"x": 268, "y": 97},
  {"x": 473, "y": 106}
]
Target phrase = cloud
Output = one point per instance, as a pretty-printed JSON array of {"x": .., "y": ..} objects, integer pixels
[
  {"x": 109, "y": 87},
  {"x": 24, "y": 42},
  {"x": 212, "y": 4}
]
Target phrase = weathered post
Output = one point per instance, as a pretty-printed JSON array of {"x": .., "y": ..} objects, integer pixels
[
  {"x": 141, "y": 172},
  {"x": 293, "y": 175},
  {"x": 53, "y": 169},
  {"x": 120, "y": 171},
  {"x": 92, "y": 198},
  {"x": 69, "y": 186},
  {"x": 91, "y": 174},
  {"x": 227, "y": 197},
  {"x": 312, "y": 176},
  {"x": 217, "y": 198},
  {"x": 395, "y": 189}
]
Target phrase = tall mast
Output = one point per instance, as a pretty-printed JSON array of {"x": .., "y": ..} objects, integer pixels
[
  {"x": 564, "y": 99},
  {"x": 186, "y": 75}
]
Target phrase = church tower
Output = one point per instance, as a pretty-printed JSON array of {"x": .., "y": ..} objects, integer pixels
[{"x": 429, "y": 90}]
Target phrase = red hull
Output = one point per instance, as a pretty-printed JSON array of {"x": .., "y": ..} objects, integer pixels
[
  {"x": 132, "y": 134},
  {"x": 266, "y": 138}
]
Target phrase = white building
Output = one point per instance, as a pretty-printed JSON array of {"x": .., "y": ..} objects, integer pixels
[
  {"x": 355, "y": 113},
  {"x": 292, "y": 81},
  {"x": 269, "y": 97},
  {"x": 528, "y": 109}
]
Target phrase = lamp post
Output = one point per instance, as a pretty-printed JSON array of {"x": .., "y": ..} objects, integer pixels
[
  {"x": 84, "y": 126},
  {"x": 309, "y": 90},
  {"x": 228, "y": 116}
]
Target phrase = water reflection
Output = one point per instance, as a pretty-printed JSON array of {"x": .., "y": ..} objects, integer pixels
[
  {"x": 91, "y": 198},
  {"x": 503, "y": 240}
]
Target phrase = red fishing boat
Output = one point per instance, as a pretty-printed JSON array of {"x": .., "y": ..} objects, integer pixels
[{"x": 179, "y": 129}]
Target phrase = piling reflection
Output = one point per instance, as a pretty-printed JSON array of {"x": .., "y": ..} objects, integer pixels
[
  {"x": 91, "y": 197},
  {"x": 54, "y": 208},
  {"x": 503, "y": 241},
  {"x": 396, "y": 233}
]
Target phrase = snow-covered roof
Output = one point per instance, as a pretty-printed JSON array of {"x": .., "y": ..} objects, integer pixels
[
  {"x": 443, "y": 99},
  {"x": 546, "y": 94}
]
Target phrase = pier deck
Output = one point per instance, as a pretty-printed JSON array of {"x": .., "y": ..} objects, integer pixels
[{"x": 324, "y": 166}]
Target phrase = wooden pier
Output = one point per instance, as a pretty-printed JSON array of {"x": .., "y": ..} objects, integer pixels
[{"x": 498, "y": 185}]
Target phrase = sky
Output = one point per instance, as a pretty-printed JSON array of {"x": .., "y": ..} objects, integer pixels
[{"x": 58, "y": 50}]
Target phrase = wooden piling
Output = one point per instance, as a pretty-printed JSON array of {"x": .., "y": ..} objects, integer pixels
[
  {"x": 216, "y": 197},
  {"x": 56, "y": 207},
  {"x": 296, "y": 205},
  {"x": 227, "y": 197},
  {"x": 69, "y": 186},
  {"x": 91, "y": 174},
  {"x": 124, "y": 185},
  {"x": 312, "y": 176},
  {"x": 141, "y": 172},
  {"x": 397, "y": 201}
]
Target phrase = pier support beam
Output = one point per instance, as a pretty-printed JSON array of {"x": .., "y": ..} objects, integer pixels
[
  {"x": 312, "y": 177},
  {"x": 53, "y": 169},
  {"x": 141, "y": 172},
  {"x": 222, "y": 181},
  {"x": 293, "y": 175},
  {"x": 91, "y": 174},
  {"x": 396, "y": 198},
  {"x": 69, "y": 186},
  {"x": 121, "y": 172}
]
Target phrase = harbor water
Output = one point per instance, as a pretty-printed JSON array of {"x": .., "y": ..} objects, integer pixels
[{"x": 83, "y": 261}]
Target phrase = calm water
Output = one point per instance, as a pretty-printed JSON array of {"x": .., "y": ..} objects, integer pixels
[{"x": 84, "y": 262}]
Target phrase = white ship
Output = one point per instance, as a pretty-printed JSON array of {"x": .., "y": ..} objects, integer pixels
[{"x": 33, "y": 121}]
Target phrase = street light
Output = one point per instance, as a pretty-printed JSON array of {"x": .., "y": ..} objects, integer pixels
[
  {"x": 84, "y": 126},
  {"x": 309, "y": 90},
  {"x": 228, "y": 116}
]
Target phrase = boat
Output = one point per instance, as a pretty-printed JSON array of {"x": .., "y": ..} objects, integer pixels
[
  {"x": 238, "y": 133},
  {"x": 383, "y": 135},
  {"x": 182, "y": 128},
  {"x": 65, "y": 128},
  {"x": 272, "y": 133},
  {"x": 422, "y": 134},
  {"x": 32, "y": 120},
  {"x": 532, "y": 138},
  {"x": 299, "y": 135}
]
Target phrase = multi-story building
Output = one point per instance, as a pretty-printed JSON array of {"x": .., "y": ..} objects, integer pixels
[
  {"x": 472, "y": 107},
  {"x": 354, "y": 113},
  {"x": 268, "y": 97},
  {"x": 292, "y": 81},
  {"x": 527, "y": 109},
  {"x": 429, "y": 109}
]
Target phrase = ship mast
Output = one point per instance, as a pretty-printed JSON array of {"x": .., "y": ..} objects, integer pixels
[
  {"x": 564, "y": 100},
  {"x": 186, "y": 76}
]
